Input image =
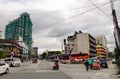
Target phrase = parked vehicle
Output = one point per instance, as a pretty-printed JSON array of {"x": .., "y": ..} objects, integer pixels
[
  {"x": 13, "y": 62},
  {"x": 104, "y": 64},
  {"x": 4, "y": 67}
]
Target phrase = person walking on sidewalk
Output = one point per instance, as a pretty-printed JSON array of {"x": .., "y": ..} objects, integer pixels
[{"x": 86, "y": 63}]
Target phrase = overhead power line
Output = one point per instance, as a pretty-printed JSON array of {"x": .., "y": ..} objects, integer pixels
[
  {"x": 66, "y": 9},
  {"x": 73, "y": 16},
  {"x": 99, "y": 8},
  {"x": 50, "y": 11},
  {"x": 74, "y": 8},
  {"x": 71, "y": 8}
]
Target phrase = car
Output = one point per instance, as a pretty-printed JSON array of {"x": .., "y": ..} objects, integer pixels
[
  {"x": 13, "y": 62},
  {"x": 104, "y": 64},
  {"x": 4, "y": 67}
]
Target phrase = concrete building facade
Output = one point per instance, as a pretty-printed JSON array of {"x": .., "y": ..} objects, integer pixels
[
  {"x": 101, "y": 51},
  {"x": 82, "y": 42},
  {"x": 102, "y": 40},
  {"x": 35, "y": 51},
  {"x": 6, "y": 45}
]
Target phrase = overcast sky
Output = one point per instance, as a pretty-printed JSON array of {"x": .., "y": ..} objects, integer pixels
[{"x": 54, "y": 20}]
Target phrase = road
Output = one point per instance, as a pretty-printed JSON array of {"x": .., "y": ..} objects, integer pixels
[
  {"x": 28, "y": 70},
  {"x": 43, "y": 70},
  {"x": 77, "y": 71}
]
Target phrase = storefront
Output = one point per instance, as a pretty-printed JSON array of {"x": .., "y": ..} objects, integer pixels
[{"x": 11, "y": 46}]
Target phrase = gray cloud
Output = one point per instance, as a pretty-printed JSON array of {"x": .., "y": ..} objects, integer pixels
[{"x": 50, "y": 28}]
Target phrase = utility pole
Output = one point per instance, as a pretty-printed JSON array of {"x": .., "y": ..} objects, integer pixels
[{"x": 116, "y": 26}]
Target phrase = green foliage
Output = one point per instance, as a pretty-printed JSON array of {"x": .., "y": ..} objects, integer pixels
[
  {"x": 57, "y": 52},
  {"x": 117, "y": 51},
  {"x": 118, "y": 62},
  {"x": 44, "y": 54},
  {"x": 3, "y": 54},
  {"x": 118, "y": 71}
]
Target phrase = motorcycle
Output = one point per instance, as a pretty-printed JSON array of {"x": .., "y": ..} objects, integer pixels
[
  {"x": 56, "y": 65},
  {"x": 34, "y": 60}
]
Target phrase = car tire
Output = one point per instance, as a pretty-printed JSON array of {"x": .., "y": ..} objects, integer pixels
[{"x": 7, "y": 71}]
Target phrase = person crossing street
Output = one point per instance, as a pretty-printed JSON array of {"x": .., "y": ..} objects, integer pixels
[{"x": 86, "y": 63}]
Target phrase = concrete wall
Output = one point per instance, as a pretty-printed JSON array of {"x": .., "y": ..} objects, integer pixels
[{"x": 83, "y": 43}]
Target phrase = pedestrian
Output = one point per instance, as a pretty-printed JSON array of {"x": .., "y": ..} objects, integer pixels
[
  {"x": 90, "y": 60},
  {"x": 11, "y": 54},
  {"x": 86, "y": 63},
  {"x": 101, "y": 63}
]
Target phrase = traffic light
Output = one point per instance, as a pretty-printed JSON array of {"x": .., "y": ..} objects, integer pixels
[
  {"x": 70, "y": 51},
  {"x": 64, "y": 41}
]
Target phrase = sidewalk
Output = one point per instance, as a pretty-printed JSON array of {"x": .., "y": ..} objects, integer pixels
[
  {"x": 104, "y": 76},
  {"x": 109, "y": 73},
  {"x": 114, "y": 73},
  {"x": 77, "y": 71}
]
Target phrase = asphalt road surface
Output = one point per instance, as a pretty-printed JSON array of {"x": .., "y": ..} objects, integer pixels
[{"x": 41, "y": 70}]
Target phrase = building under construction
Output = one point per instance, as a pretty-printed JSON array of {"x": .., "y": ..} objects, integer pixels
[{"x": 20, "y": 31}]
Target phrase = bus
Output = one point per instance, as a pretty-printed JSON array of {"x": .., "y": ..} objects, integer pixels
[{"x": 67, "y": 58}]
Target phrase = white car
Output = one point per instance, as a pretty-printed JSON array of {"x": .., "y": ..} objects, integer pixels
[
  {"x": 13, "y": 61},
  {"x": 4, "y": 67}
]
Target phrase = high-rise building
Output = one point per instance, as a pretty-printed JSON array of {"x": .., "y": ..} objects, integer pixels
[
  {"x": 102, "y": 40},
  {"x": 35, "y": 51},
  {"x": 20, "y": 28},
  {"x": 101, "y": 51},
  {"x": 82, "y": 42}
]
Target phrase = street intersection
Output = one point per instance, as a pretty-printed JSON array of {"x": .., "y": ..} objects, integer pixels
[{"x": 43, "y": 70}]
